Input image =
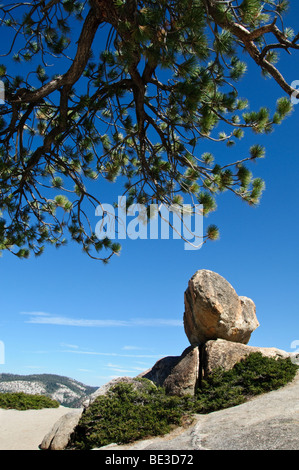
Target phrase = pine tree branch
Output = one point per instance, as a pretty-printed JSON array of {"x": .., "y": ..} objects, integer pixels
[
  {"x": 89, "y": 29},
  {"x": 247, "y": 39}
]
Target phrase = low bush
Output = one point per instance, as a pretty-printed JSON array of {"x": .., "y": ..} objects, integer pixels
[
  {"x": 253, "y": 375},
  {"x": 127, "y": 414},
  {"x": 24, "y": 401}
]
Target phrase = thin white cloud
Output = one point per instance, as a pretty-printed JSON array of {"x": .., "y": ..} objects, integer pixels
[
  {"x": 111, "y": 354},
  {"x": 156, "y": 322},
  {"x": 105, "y": 377},
  {"x": 97, "y": 353},
  {"x": 113, "y": 365},
  {"x": 43, "y": 318},
  {"x": 119, "y": 368},
  {"x": 39, "y": 314},
  {"x": 123, "y": 371},
  {"x": 64, "y": 321},
  {"x": 71, "y": 346}
]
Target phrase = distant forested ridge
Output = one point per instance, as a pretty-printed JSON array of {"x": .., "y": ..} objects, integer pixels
[{"x": 67, "y": 391}]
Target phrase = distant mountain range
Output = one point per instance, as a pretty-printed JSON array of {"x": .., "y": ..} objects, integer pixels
[{"x": 68, "y": 392}]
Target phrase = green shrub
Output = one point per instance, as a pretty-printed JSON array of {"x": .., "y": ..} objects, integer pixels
[
  {"x": 253, "y": 375},
  {"x": 24, "y": 401},
  {"x": 126, "y": 414}
]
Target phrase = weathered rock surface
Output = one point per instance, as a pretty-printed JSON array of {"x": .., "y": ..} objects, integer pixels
[
  {"x": 58, "y": 437},
  {"x": 214, "y": 310},
  {"x": 225, "y": 354},
  {"x": 161, "y": 370},
  {"x": 178, "y": 374},
  {"x": 183, "y": 379}
]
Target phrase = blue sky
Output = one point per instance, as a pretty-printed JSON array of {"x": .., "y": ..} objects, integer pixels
[{"x": 67, "y": 314}]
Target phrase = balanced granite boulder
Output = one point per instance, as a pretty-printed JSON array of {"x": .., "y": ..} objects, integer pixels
[{"x": 214, "y": 310}]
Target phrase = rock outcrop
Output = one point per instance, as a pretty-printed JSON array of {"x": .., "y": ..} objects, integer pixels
[
  {"x": 225, "y": 354},
  {"x": 214, "y": 310},
  {"x": 181, "y": 375},
  {"x": 59, "y": 436},
  {"x": 177, "y": 374}
]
